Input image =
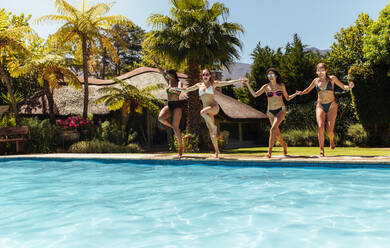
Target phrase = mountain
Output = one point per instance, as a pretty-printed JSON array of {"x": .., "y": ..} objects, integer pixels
[
  {"x": 314, "y": 49},
  {"x": 237, "y": 70}
]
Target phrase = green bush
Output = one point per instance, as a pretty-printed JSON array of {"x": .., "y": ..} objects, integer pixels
[
  {"x": 115, "y": 133},
  {"x": 300, "y": 116},
  {"x": 356, "y": 135},
  {"x": 43, "y": 137},
  {"x": 190, "y": 143},
  {"x": 97, "y": 146},
  {"x": 304, "y": 137}
]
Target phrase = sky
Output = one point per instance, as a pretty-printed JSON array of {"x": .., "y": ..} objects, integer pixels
[{"x": 272, "y": 23}]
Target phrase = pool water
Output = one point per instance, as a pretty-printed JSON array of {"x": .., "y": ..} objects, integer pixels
[{"x": 86, "y": 203}]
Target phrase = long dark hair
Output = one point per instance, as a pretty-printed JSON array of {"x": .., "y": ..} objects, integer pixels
[
  {"x": 173, "y": 73},
  {"x": 278, "y": 77}
]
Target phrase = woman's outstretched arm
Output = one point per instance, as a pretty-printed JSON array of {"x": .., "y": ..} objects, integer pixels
[
  {"x": 340, "y": 84},
  {"x": 259, "y": 92},
  {"x": 285, "y": 94},
  {"x": 231, "y": 82},
  {"x": 308, "y": 89}
]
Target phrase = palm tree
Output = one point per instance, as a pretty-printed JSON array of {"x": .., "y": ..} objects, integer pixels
[
  {"x": 11, "y": 43},
  {"x": 51, "y": 69},
  {"x": 87, "y": 27},
  {"x": 194, "y": 34},
  {"x": 129, "y": 98}
]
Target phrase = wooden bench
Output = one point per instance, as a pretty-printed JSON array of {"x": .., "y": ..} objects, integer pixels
[{"x": 13, "y": 134}]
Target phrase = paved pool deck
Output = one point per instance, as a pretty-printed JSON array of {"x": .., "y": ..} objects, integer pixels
[{"x": 232, "y": 158}]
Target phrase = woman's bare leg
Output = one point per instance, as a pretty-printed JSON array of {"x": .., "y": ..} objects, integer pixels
[
  {"x": 177, "y": 113},
  {"x": 164, "y": 115},
  {"x": 275, "y": 122},
  {"x": 281, "y": 141},
  {"x": 208, "y": 114},
  {"x": 330, "y": 122},
  {"x": 320, "y": 116}
]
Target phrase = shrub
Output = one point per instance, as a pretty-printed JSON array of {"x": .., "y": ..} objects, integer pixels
[
  {"x": 305, "y": 137},
  {"x": 190, "y": 143},
  {"x": 115, "y": 133},
  {"x": 74, "y": 123},
  {"x": 43, "y": 137},
  {"x": 356, "y": 135},
  {"x": 97, "y": 146}
]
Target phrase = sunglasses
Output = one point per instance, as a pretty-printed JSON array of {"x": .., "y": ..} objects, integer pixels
[
  {"x": 320, "y": 71},
  {"x": 271, "y": 75},
  {"x": 205, "y": 74}
]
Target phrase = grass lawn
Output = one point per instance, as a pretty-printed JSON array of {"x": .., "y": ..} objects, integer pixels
[{"x": 309, "y": 151}]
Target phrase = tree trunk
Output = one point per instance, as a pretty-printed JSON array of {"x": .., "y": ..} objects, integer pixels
[
  {"x": 193, "y": 107},
  {"x": 7, "y": 83},
  {"x": 104, "y": 64},
  {"x": 50, "y": 101},
  {"x": 85, "y": 72}
]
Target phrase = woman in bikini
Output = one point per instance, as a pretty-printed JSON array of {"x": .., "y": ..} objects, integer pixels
[
  {"x": 210, "y": 106},
  {"x": 175, "y": 106},
  {"x": 326, "y": 104},
  {"x": 276, "y": 111}
]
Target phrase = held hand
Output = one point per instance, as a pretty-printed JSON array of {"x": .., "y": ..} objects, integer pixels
[
  {"x": 351, "y": 85},
  {"x": 298, "y": 92},
  {"x": 244, "y": 80}
]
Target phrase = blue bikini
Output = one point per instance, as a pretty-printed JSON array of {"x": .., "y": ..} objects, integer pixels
[{"x": 326, "y": 106}]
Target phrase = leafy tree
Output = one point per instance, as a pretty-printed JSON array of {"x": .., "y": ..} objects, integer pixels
[
  {"x": 377, "y": 41},
  {"x": 371, "y": 94},
  {"x": 348, "y": 50},
  {"x": 297, "y": 67},
  {"x": 199, "y": 35},
  {"x": 14, "y": 31},
  {"x": 128, "y": 48},
  {"x": 87, "y": 27}
]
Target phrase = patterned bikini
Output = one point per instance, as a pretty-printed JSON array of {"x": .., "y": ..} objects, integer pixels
[{"x": 274, "y": 112}]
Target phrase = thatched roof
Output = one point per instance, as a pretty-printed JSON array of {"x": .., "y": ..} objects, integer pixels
[
  {"x": 69, "y": 101},
  {"x": 4, "y": 109},
  {"x": 235, "y": 109}
]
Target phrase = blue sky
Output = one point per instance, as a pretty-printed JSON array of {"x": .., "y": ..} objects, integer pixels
[{"x": 272, "y": 23}]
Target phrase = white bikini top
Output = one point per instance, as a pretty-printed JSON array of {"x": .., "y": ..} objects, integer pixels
[{"x": 209, "y": 91}]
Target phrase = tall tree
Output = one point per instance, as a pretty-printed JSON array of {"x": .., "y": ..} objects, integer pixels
[
  {"x": 372, "y": 81},
  {"x": 14, "y": 31},
  {"x": 348, "y": 49},
  {"x": 128, "y": 48},
  {"x": 88, "y": 26},
  {"x": 199, "y": 35},
  {"x": 297, "y": 66}
]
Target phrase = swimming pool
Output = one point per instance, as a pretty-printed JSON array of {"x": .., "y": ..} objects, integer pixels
[{"x": 114, "y": 203}]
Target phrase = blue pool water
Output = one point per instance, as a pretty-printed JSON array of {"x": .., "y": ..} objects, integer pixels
[{"x": 84, "y": 203}]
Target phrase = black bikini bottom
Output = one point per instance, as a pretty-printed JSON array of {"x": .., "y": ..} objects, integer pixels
[
  {"x": 326, "y": 106},
  {"x": 274, "y": 112},
  {"x": 172, "y": 105}
]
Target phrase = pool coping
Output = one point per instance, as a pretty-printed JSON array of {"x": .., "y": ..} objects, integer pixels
[{"x": 226, "y": 160}]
